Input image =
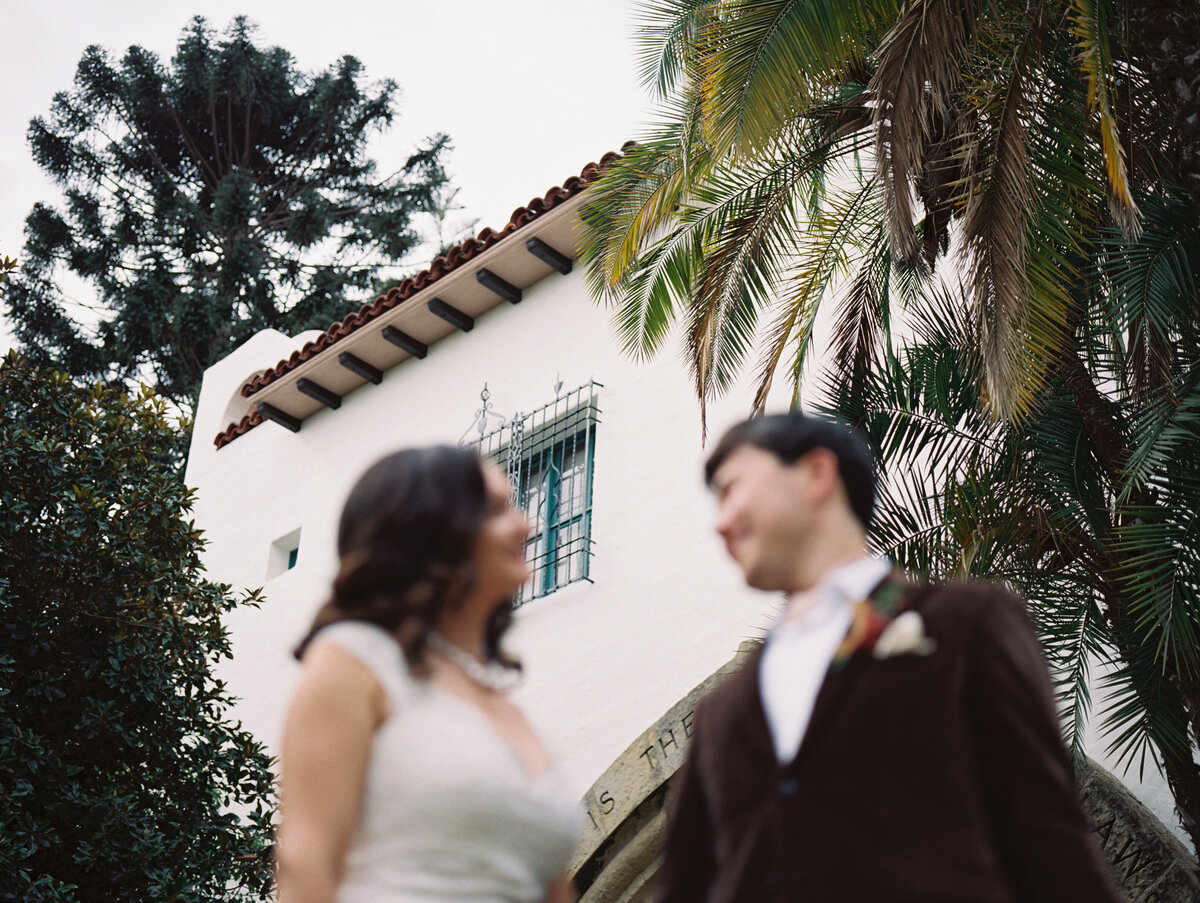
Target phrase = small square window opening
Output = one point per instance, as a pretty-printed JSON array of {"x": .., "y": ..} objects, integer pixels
[{"x": 284, "y": 553}]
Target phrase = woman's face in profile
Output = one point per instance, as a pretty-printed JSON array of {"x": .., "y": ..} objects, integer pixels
[{"x": 499, "y": 555}]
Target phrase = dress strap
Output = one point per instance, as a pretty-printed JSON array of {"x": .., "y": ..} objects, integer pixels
[{"x": 376, "y": 649}]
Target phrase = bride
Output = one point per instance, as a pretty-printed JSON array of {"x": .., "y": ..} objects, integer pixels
[{"x": 407, "y": 774}]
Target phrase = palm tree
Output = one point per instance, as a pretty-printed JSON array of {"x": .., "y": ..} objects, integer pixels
[
  {"x": 1111, "y": 571},
  {"x": 820, "y": 151}
]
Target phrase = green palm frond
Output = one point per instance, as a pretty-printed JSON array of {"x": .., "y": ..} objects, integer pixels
[
  {"x": 1161, "y": 551},
  {"x": 1041, "y": 426},
  {"x": 918, "y": 414},
  {"x": 1072, "y": 627},
  {"x": 863, "y": 317},
  {"x": 1145, "y": 717},
  {"x": 918, "y": 407},
  {"x": 1023, "y": 502},
  {"x": 925, "y": 394},
  {"x": 753, "y": 226},
  {"x": 1123, "y": 566},
  {"x": 1158, "y": 540},
  {"x": 1067, "y": 185},
  {"x": 1062, "y": 467},
  {"x": 637, "y": 197},
  {"x": 1164, "y": 431},
  {"x": 662, "y": 284},
  {"x": 771, "y": 60},
  {"x": 818, "y": 258},
  {"x": 911, "y": 529},
  {"x": 730, "y": 237},
  {"x": 667, "y": 34},
  {"x": 1151, "y": 286},
  {"x": 740, "y": 273}
]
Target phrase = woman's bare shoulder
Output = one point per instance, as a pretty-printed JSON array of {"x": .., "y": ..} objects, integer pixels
[{"x": 334, "y": 681}]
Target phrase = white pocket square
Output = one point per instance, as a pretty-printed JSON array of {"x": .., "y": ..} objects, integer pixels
[{"x": 905, "y": 635}]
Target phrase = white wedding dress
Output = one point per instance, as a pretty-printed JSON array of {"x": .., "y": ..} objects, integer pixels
[{"x": 448, "y": 812}]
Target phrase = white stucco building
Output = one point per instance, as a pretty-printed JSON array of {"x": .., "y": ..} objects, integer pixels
[
  {"x": 609, "y": 458},
  {"x": 661, "y": 607}
]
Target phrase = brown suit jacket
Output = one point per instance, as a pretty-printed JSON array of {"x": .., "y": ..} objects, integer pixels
[{"x": 920, "y": 778}]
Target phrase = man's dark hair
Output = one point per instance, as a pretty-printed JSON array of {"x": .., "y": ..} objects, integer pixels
[{"x": 791, "y": 436}]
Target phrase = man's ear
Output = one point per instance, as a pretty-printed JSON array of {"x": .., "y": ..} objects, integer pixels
[{"x": 823, "y": 471}]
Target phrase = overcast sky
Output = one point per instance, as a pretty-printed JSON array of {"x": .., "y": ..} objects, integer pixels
[{"x": 528, "y": 90}]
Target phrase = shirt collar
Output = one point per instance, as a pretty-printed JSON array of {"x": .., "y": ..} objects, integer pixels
[
  {"x": 837, "y": 590},
  {"x": 852, "y": 582}
]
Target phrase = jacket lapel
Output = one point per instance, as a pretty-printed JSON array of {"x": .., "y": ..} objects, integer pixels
[
  {"x": 891, "y": 596},
  {"x": 829, "y": 703},
  {"x": 751, "y": 717}
]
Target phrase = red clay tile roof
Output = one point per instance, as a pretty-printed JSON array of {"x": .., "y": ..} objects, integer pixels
[
  {"x": 243, "y": 426},
  {"x": 448, "y": 262}
]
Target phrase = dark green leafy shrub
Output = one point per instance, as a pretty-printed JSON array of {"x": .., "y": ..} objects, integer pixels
[{"x": 120, "y": 769}]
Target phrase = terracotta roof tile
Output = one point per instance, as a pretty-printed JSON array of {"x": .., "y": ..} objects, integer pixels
[
  {"x": 448, "y": 262},
  {"x": 243, "y": 426}
]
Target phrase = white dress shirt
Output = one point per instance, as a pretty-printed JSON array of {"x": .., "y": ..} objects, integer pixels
[{"x": 800, "y": 649}]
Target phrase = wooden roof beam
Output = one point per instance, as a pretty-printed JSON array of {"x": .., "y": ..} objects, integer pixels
[
  {"x": 405, "y": 341},
  {"x": 548, "y": 255},
  {"x": 319, "y": 393},
  {"x": 451, "y": 315},
  {"x": 501, "y": 287},
  {"x": 357, "y": 365},
  {"x": 275, "y": 415}
]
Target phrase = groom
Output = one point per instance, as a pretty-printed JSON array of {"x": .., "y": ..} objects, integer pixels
[{"x": 892, "y": 740}]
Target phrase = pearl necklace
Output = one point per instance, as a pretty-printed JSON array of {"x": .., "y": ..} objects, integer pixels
[{"x": 490, "y": 677}]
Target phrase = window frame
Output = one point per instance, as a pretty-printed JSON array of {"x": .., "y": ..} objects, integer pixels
[
  {"x": 552, "y": 463},
  {"x": 540, "y": 441}
]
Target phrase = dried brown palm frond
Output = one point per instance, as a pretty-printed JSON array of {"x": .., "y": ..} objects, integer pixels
[
  {"x": 939, "y": 185},
  {"x": 918, "y": 75},
  {"x": 996, "y": 224}
]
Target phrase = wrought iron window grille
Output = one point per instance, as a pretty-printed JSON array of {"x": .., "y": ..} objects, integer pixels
[{"x": 548, "y": 455}]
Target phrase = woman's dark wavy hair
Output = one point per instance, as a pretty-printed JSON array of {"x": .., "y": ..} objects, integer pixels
[{"x": 404, "y": 546}]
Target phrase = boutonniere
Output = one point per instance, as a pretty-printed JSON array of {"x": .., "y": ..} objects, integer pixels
[
  {"x": 880, "y": 626},
  {"x": 905, "y": 635}
]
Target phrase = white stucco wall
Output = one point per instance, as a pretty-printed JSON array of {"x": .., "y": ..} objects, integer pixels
[{"x": 603, "y": 659}]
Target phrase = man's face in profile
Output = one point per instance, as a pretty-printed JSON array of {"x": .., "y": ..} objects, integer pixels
[{"x": 764, "y": 513}]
